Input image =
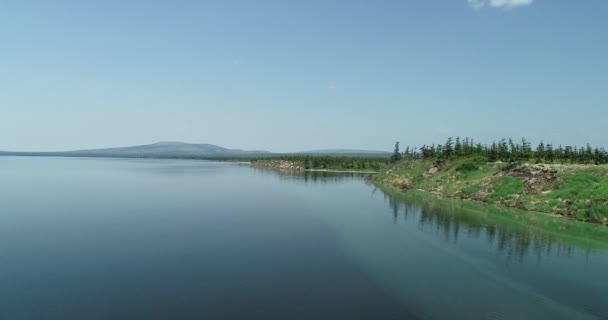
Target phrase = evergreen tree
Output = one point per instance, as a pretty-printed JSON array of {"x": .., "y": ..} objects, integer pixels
[
  {"x": 448, "y": 148},
  {"x": 479, "y": 149},
  {"x": 588, "y": 157},
  {"x": 525, "y": 150},
  {"x": 396, "y": 154},
  {"x": 493, "y": 152},
  {"x": 307, "y": 162},
  {"x": 549, "y": 154},
  {"x": 458, "y": 147},
  {"x": 504, "y": 150},
  {"x": 540, "y": 152}
]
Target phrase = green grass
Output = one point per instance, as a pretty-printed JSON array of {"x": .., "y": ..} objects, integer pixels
[
  {"x": 471, "y": 190},
  {"x": 381, "y": 175},
  {"x": 452, "y": 178},
  {"x": 505, "y": 188},
  {"x": 580, "y": 192}
]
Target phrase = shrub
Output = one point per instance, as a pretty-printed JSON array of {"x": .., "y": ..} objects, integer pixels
[{"x": 470, "y": 164}]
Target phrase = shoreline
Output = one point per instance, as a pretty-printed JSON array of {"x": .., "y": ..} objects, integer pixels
[
  {"x": 552, "y": 190},
  {"x": 446, "y": 197},
  {"x": 287, "y": 165},
  {"x": 565, "y": 191},
  {"x": 340, "y": 171},
  {"x": 402, "y": 179}
]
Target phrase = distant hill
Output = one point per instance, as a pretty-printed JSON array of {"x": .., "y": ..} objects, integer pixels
[
  {"x": 347, "y": 152},
  {"x": 169, "y": 149},
  {"x": 173, "y": 149}
]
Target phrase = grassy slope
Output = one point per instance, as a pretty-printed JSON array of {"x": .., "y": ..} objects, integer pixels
[{"x": 575, "y": 191}]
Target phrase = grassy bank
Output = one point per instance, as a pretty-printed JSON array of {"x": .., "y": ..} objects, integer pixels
[{"x": 574, "y": 191}]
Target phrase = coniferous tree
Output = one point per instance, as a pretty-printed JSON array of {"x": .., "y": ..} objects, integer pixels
[
  {"x": 458, "y": 147},
  {"x": 505, "y": 150},
  {"x": 307, "y": 162},
  {"x": 493, "y": 154},
  {"x": 396, "y": 154},
  {"x": 440, "y": 150},
  {"x": 479, "y": 149},
  {"x": 525, "y": 150},
  {"x": 540, "y": 152},
  {"x": 448, "y": 148},
  {"x": 588, "y": 157},
  {"x": 549, "y": 154}
]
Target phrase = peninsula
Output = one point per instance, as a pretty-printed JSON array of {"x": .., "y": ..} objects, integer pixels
[{"x": 565, "y": 181}]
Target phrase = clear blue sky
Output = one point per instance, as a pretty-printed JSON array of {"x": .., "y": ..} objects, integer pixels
[{"x": 298, "y": 75}]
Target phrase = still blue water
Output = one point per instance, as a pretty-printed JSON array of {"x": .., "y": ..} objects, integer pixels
[{"x": 88, "y": 238}]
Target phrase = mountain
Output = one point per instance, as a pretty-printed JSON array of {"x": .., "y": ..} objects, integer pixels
[
  {"x": 169, "y": 149},
  {"x": 173, "y": 149}
]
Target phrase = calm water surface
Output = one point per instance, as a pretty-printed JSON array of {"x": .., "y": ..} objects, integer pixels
[{"x": 177, "y": 239}]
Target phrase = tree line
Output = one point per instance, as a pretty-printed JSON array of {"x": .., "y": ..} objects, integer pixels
[
  {"x": 505, "y": 150},
  {"x": 334, "y": 162},
  {"x": 348, "y": 163}
]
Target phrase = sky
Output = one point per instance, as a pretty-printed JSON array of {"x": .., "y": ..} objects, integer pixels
[{"x": 289, "y": 76}]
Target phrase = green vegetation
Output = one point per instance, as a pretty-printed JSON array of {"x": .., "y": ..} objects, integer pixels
[
  {"x": 575, "y": 191},
  {"x": 567, "y": 181},
  {"x": 504, "y": 188},
  {"x": 322, "y": 163},
  {"x": 511, "y": 230},
  {"x": 396, "y": 154},
  {"x": 585, "y": 191},
  {"x": 507, "y": 151},
  {"x": 471, "y": 164}
]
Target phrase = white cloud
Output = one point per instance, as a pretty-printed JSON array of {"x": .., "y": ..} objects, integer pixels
[
  {"x": 478, "y": 4},
  {"x": 510, "y": 3}
]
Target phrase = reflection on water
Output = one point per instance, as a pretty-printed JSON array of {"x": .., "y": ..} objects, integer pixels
[
  {"x": 177, "y": 239},
  {"x": 322, "y": 177},
  {"x": 514, "y": 234},
  {"x": 447, "y": 258},
  {"x": 534, "y": 266}
]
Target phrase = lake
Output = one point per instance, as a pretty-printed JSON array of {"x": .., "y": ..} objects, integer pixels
[{"x": 84, "y": 238}]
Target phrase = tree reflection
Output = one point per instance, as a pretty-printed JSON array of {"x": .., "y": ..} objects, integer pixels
[
  {"x": 315, "y": 177},
  {"x": 514, "y": 234}
]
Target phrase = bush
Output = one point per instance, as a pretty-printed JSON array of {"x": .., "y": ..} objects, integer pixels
[{"x": 470, "y": 164}]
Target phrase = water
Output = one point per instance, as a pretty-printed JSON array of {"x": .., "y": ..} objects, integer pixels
[{"x": 177, "y": 239}]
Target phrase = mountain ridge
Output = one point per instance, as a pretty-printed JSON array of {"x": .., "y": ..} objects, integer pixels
[
  {"x": 167, "y": 149},
  {"x": 159, "y": 149}
]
